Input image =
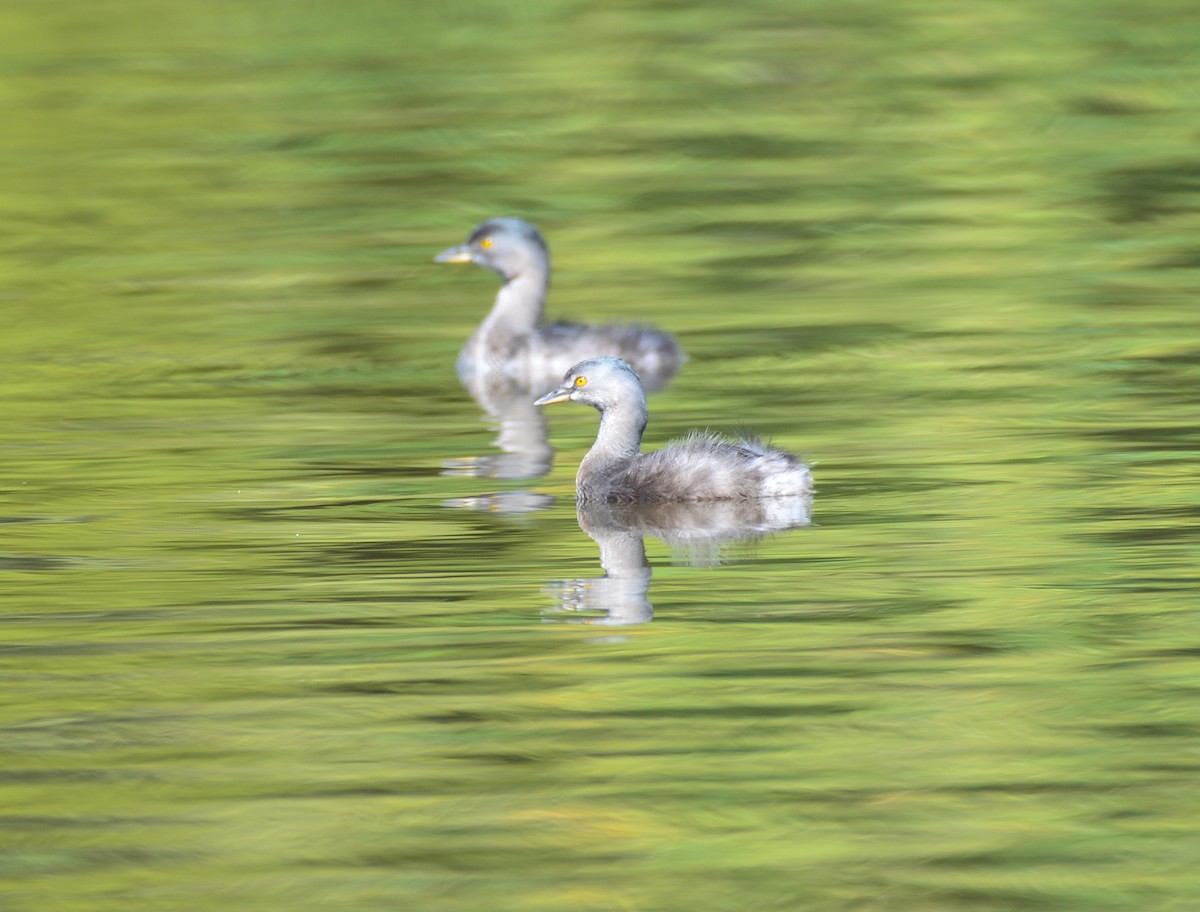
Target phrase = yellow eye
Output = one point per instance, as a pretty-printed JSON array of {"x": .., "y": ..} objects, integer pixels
[
  {"x": 581, "y": 381},
  {"x": 486, "y": 243}
]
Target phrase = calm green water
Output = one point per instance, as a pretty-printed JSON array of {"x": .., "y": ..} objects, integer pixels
[{"x": 276, "y": 637}]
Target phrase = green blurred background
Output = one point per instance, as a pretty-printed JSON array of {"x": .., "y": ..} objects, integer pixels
[{"x": 258, "y": 653}]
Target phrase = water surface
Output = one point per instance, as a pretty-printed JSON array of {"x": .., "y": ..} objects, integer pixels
[{"x": 274, "y": 637}]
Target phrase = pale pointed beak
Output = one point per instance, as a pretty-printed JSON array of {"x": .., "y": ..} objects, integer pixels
[
  {"x": 562, "y": 394},
  {"x": 460, "y": 254}
]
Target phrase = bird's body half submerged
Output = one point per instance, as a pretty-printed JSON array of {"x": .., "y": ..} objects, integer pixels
[{"x": 701, "y": 467}]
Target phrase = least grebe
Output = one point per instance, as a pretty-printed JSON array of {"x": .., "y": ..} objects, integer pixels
[
  {"x": 514, "y": 343},
  {"x": 702, "y": 466}
]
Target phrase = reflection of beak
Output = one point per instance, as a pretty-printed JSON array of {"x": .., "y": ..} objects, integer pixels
[
  {"x": 460, "y": 254},
  {"x": 562, "y": 394}
]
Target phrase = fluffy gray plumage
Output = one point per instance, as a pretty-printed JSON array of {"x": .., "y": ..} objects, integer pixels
[
  {"x": 512, "y": 341},
  {"x": 702, "y": 466}
]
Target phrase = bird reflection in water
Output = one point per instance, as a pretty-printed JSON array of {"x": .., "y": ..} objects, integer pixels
[
  {"x": 698, "y": 534},
  {"x": 523, "y": 435},
  {"x": 512, "y": 356}
]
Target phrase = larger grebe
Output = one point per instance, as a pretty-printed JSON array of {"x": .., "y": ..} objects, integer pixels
[{"x": 512, "y": 342}]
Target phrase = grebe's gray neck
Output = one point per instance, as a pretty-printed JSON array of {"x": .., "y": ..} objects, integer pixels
[
  {"x": 520, "y": 302},
  {"x": 515, "y": 315},
  {"x": 618, "y": 441}
]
